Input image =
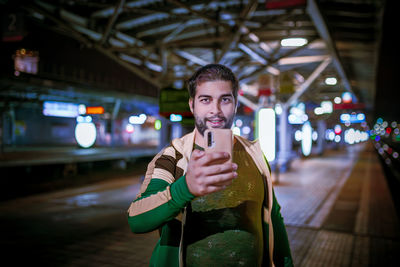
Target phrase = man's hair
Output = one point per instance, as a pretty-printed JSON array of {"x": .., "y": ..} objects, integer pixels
[{"x": 213, "y": 72}]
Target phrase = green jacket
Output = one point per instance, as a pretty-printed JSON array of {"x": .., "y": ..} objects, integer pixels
[{"x": 164, "y": 195}]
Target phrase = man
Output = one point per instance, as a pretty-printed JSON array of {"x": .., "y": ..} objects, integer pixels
[{"x": 210, "y": 213}]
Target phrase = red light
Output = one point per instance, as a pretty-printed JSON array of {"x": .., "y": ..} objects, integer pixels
[
  {"x": 129, "y": 128},
  {"x": 388, "y": 130},
  {"x": 247, "y": 110},
  {"x": 264, "y": 91},
  {"x": 337, "y": 129}
]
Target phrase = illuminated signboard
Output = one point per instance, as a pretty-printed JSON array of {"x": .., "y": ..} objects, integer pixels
[
  {"x": 26, "y": 61},
  {"x": 95, "y": 110},
  {"x": 265, "y": 129},
  {"x": 60, "y": 109},
  {"x": 352, "y": 118},
  {"x": 173, "y": 101},
  {"x": 175, "y": 117}
]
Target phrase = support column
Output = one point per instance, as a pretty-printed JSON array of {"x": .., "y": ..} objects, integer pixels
[
  {"x": 321, "y": 128},
  {"x": 165, "y": 135},
  {"x": 113, "y": 118},
  {"x": 284, "y": 140}
]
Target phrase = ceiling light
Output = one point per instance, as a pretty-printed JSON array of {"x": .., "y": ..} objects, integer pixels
[
  {"x": 331, "y": 81},
  {"x": 337, "y": 100},
  {"x": 294, "y": 42}
]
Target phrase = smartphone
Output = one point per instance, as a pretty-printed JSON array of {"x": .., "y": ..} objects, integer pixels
[{"x": 219, "y": 140}]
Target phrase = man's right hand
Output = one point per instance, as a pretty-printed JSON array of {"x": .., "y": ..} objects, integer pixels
[{"x": 204, "y": 177}]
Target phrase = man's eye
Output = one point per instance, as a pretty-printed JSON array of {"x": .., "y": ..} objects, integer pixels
[
  {"x": 205, "y": 100},
  {"x": 226, "y": 100}
]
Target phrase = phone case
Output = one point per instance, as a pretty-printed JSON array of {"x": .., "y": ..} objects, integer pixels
[{"x": 219, "y": 140}]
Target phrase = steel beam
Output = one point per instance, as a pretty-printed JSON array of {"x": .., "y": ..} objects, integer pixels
[
  {"x": 111, "y": 21},
  {"x": 320, "y": 25},
  {"x": 304, "y": 86}
]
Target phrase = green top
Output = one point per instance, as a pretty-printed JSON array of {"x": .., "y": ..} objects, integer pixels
[{"x": 225, "y": 227}]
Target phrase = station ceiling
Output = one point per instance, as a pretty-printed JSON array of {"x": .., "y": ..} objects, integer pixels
[{"x": 164, "y": 41}]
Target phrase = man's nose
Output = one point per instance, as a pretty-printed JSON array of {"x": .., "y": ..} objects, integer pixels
[{"x": 216, "y": 108}]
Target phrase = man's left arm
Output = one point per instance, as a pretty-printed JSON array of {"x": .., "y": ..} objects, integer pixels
[{"x": 282, "y": 254}]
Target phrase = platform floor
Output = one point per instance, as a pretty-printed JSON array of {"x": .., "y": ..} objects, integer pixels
[
  {"x": 337, "y": 209},
  {"x": 31, "y": 156}
]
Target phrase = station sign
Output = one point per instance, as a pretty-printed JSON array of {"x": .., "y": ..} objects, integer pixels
[
  {"x": 60, "y": 109},
  {"x": 174, "y": 101},
  {"x": 13, "y": 29}
]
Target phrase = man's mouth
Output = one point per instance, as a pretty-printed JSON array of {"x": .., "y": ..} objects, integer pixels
[{"x": 216, "y": 122}]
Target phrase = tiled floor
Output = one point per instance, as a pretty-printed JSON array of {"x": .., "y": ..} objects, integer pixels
[{"x": 337, "y": 209}]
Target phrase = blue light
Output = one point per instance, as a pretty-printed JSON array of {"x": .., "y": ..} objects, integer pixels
[
  {"x": 138, "y": 119},
  {"x": 361, "y": 117},
  {"x": 175, "y": 117},
  {"x": 352, "y": 118}
]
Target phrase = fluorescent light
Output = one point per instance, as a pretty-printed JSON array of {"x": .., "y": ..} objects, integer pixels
[
  {"x": 273, "y": 70},
  {"x": 331, "y": 81},
  {"x": 130, "y": 59},
  {"x": 254, "y": 37},
  {"x": 265, "y": 47},
  {"x": 153, "y": 66},
  {"x": 294, "y": 42},
  {"x": 252, "y": 54},
  {"x": 301, "y": 60}
]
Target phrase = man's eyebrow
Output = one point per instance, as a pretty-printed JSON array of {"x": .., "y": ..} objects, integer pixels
[
  {"x": 225, "y": 95},
  {"x": 203, "y": 96}
]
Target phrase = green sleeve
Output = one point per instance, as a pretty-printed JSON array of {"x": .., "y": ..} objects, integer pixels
[
  {"x": 154, "y": 218},
  {"x": 282, "y": 254}
]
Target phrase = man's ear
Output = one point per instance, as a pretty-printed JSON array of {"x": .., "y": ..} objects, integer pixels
[{"x": 191, "y": 104}]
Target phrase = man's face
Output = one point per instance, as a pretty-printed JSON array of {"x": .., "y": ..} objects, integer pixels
[{"x": 213, "y": 105}]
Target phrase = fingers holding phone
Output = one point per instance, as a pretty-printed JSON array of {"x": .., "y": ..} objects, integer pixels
[
  {"x": 219, "y": 140},
  {"x": 212, "y": 170}
]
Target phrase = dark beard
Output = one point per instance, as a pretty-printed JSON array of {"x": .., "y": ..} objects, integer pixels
[{"x": 201, "y": 125}]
